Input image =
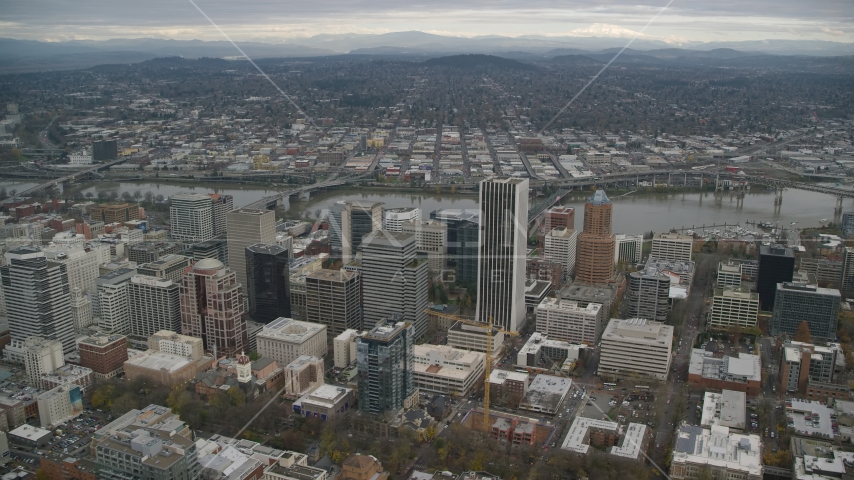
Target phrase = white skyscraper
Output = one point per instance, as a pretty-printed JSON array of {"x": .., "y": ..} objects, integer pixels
[
  {"x": 501, "y": 262},
  {"x": 38, "y": 297},
  {"x": 191, "y": 217},
  {"x": 111, "y": 306},
  {"x": 559, "y": 246}
]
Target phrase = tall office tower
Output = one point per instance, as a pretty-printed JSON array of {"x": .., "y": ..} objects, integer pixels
[
  {"x": 81, "y": 310},
  {"x": 385, "y": 359},
  {"x": 191, "y": 217},
  {"x": 596, "y": 244},
  {"x": 463, "y": 248},
  {"x": 334, "y": 298},
  {"x": 501, "y": 261},
  {"x": 559, "y": 216},
  {"x": 776, "y": 265},
  {"x": 672, "y": 246},
  {"x": 220, "y": 206},
  {"x": 212, "y": 308},
  {"x": 628, "y": 249},
  {"x": 797, "y": 302},
  {"x": 216, "y": 248},
  {"x": 559, "y": 246},
  {"x": 431, "y": 238},
  {"x": 38, "y": 297},
  {"x": 105, "y": 150},
  {"x": 350, "y": 221},
  {"x": 649, "y": 295},
  {"x": 155, "y": 305},
  {"x": 394, "y": 281},
  {"x": 268, "y": 282},
  {"x": 81, "y": 264},
  {"x": 110, "y": 304},
  {"x": 248, "y": 226},
  {"x": 170, "y": 267},
  {"x": 847, "y": 281},
  {"x": 394, "y": 218}
]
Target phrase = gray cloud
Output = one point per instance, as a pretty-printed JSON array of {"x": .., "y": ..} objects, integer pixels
[{"x": 691, "y": 19}]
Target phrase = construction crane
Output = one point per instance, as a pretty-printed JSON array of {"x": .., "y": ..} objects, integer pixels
[{"x": 489, "y": 328}]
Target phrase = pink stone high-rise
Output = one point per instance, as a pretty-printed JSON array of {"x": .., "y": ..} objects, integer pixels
[{"x": 212, "y": 308}]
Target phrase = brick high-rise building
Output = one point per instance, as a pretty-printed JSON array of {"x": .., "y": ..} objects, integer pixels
[
  {"x": 559, "y": 216},
  {"x": 105, "y": 355},
  {"x": 212, "y": 308},
  {"x": 114, "y": 212},
  {"x": 596, "y": 244}
]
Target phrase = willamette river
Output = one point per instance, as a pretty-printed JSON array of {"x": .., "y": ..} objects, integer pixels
[{"x": 633, "y": 213}]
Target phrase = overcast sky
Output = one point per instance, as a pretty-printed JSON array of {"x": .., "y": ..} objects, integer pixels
[{"x": 286, "y": 20}]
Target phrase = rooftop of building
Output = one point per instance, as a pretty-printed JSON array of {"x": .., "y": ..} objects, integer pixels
[
  {"x": 719, "y": 447},
  {"x": 190, "y": 196},
  {"x": 803, "y": 287},
  {"x": 208, "y": 264},
  {"x": 332, "y": 275},
  {"x": 498, "y": 377},
  {"x": 387, "y": 238},
  {"x": 290, "y": 330},
  {"x": 588, "y": 293},
  {"x": 546, "y": 393},
  {"x": 562, "y": 232},
  {"x": 101, "y": 340},
  {"x": 166, "y": 260},
  {"x": 267, "y": 248},
  {"x": 776, "y": 250},
  {"x": 251, "y": 212},
  {"x": 599, "y": 198},
  {"x": 573, "y": 306},
  {"x": 727, "y": 409},
  {"x": 387, "y": 329},
  {"x": 154, "y": 360},
  {"x": 741, "y": 292},
  {"x": 537, "y": 288},
  {"x": 638, "y": 330},
  {"x": 745, "y": 367},
  {"x": 676, "y": 266},
  {"x": 302, "y": 361},
  {"x": 672, "y": 236},
  {"x": 152, "y": 246},
  {"x": 457, "y": 215},
  {"x": 537, "y": 340},
  {"x": 29, "y": 432}
]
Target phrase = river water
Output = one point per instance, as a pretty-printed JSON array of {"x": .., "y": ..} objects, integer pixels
[{"x": 633, "y": 213}]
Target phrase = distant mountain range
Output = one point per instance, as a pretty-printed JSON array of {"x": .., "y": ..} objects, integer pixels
[
  {"x": 475, "y": 60},
  {"x": 25, "y": 55}
]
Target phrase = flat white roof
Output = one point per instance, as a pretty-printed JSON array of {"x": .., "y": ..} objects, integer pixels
[
  {"x": 574, "y": 440},
  {"x": 159, "y": 361},
  {"x": 290, "y": 330},
  {"x": 29, "y": 432}
]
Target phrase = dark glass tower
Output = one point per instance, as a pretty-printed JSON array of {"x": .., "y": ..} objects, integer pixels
[
  {"x": 268, "y": 276},
  {"x": 776, "y": 265}
]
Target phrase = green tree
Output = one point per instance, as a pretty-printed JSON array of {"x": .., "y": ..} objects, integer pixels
[{"x": 237, "y": 397}]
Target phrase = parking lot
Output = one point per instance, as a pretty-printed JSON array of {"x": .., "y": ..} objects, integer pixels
[{"x": 620, "y": 405}]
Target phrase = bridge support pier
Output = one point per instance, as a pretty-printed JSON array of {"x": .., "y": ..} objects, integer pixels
[
  {"x": 778, "y": 196},
  {"x": 838, "y": 208}
]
